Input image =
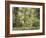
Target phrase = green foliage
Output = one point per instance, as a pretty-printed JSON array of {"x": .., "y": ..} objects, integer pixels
[{"x": 26, "y": 18}]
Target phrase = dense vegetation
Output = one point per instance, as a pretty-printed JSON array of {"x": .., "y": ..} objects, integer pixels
[{"x": 26, "y": 18}]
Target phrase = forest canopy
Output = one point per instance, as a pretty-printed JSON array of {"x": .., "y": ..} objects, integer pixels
[{"x": 25, "y": 18}]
